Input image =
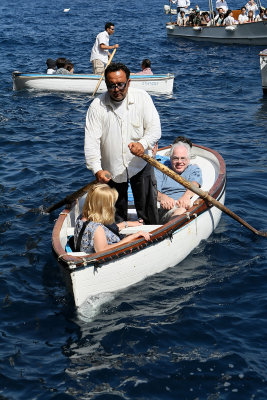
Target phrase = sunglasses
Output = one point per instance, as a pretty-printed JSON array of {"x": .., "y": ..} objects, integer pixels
[{"x": 113, "y": 86}]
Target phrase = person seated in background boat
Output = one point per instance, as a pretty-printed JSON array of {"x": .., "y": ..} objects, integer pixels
[
  {"x": 197, "y": 19},
  {"x": 250, "y": 17},
  {"x": 182, "y": 19},
  {"x": 191, "y": 17},
  {"x": 183, "y": 139},
  {"x": 146, "y": 68},
  {"x": 173, "y": 197},
  {"x": 242, "y": 18},
  {"x": 221, "y": 4},
  {"x": 264, "y": 17},
  {"x": 251, "y": 6},
  {"x": 95, "y": 229},
  {"x": 229, "y": 19},
  {"x": 205, "y": 19},
  {"x": 69, "y": 67},
  {"x": 51, "y": 66},
  {"x": 219, "y": 18},
  {"x": 61, "y": 62},
  {"x": 259, "y": 17}
]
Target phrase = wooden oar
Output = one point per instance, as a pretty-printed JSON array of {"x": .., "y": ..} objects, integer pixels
[
  {"x": 204, "y": 195},
  {"x": 69, "y": 199},
  {"x": 73, "y": 196},
  {"x": 103, "y": 73}
]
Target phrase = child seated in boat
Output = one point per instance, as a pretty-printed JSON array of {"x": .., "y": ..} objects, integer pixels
[
  {"x": 259, "y": 17},
  {"x": 205, "y": 19},
  {"x": 219, "y": 18},
  {"x": 182, "y": 19},
  {"x": 146, "y": 68},
  {"x": 51, "y": 66},
  {"x": 174, "y": 198},
  {"x": 69, "y": 67},
  {"x": 229, "y": 19},
  {"x": 242, "y": 18},
  {"x": 95, "y": 228},
  {"x": 62, "y": 63},
  {"x": 251, "y": 17},
  {"x": 197, "y": 19}
]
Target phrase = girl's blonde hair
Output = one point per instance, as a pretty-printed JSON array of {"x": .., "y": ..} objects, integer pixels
[{"x": 99, "y": 205}]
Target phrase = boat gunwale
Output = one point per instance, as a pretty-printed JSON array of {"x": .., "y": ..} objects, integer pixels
[
  {"x": 36, "y": 75},
  {"x": 72, "y": 262}
]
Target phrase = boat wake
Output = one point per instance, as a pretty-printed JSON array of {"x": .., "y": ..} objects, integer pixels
[{"x": 92, "y": 306}]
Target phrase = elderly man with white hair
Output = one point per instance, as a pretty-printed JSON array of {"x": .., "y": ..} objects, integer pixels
[{"x": 173, "y": 197}]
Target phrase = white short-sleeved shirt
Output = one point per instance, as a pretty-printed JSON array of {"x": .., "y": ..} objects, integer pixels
[
  {"x": 97, "y": 53},
  {"x": 242, "y": 19}
]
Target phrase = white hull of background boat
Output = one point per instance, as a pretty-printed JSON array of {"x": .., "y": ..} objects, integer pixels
[
  {"x": 263, "y": 67},
  {"x": 81, "y": 83},
  {"x": 252, "y": 34},
  {"x": 113, "y": 270}
]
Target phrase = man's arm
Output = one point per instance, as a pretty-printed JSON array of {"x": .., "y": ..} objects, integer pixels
[
  {"x": 107, "y": 47},
  {"x": 93, "y": 133}
]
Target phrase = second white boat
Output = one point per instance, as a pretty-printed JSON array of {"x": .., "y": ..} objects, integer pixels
[{"x": 82, "y": 83}]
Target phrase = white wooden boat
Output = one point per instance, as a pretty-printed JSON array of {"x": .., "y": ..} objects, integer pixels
[
  {"x": 263, "y": 67},
  {"x": 112, "y": 270},
  {"x": 254, "y": 33},
  {"x": 83, "y": 83}
]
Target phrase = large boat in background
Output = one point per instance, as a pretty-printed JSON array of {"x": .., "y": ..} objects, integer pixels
[
  {"x": 254, "y": 33},
  {"x": 126, "y": 264},
  {"x": 263, "y": 67},
  {"x": 83, "y": 83}
]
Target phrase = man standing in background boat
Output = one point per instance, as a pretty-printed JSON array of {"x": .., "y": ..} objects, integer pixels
[
  {"x": 221, "y": 4},
  {"x": 182, "y": 5},
  {"x": 122, "y": 124},
  {"x": 100, "y": 54}
]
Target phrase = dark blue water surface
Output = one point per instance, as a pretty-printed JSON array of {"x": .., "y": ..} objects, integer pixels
[{"x": 193, "y": 332}]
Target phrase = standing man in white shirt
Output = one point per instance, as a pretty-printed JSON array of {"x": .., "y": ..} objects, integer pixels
[
  {"x": 221, "y": 4},
  {"x": 182, "y": 5},
  {"x": 122, "y": 124},
  {"x": 100, "y": 51}
]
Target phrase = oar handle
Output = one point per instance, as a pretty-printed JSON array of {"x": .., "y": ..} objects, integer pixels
[
  {"x": 103, "y": 73},
  {"x": 204, "y": 195}
]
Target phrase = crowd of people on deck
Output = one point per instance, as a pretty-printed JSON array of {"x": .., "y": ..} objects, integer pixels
[{"x": 250, "y": 12}]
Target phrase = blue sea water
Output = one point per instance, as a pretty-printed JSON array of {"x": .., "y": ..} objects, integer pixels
[{"x": 196, "y": 331}]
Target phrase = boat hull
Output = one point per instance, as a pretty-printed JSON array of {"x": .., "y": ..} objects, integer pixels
[
  {"x": 79, "y": 83},
  {"x": 248, "y": 34},
  {"x": 116, "y": 269},
  {"x": 263, "y": 68}
]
